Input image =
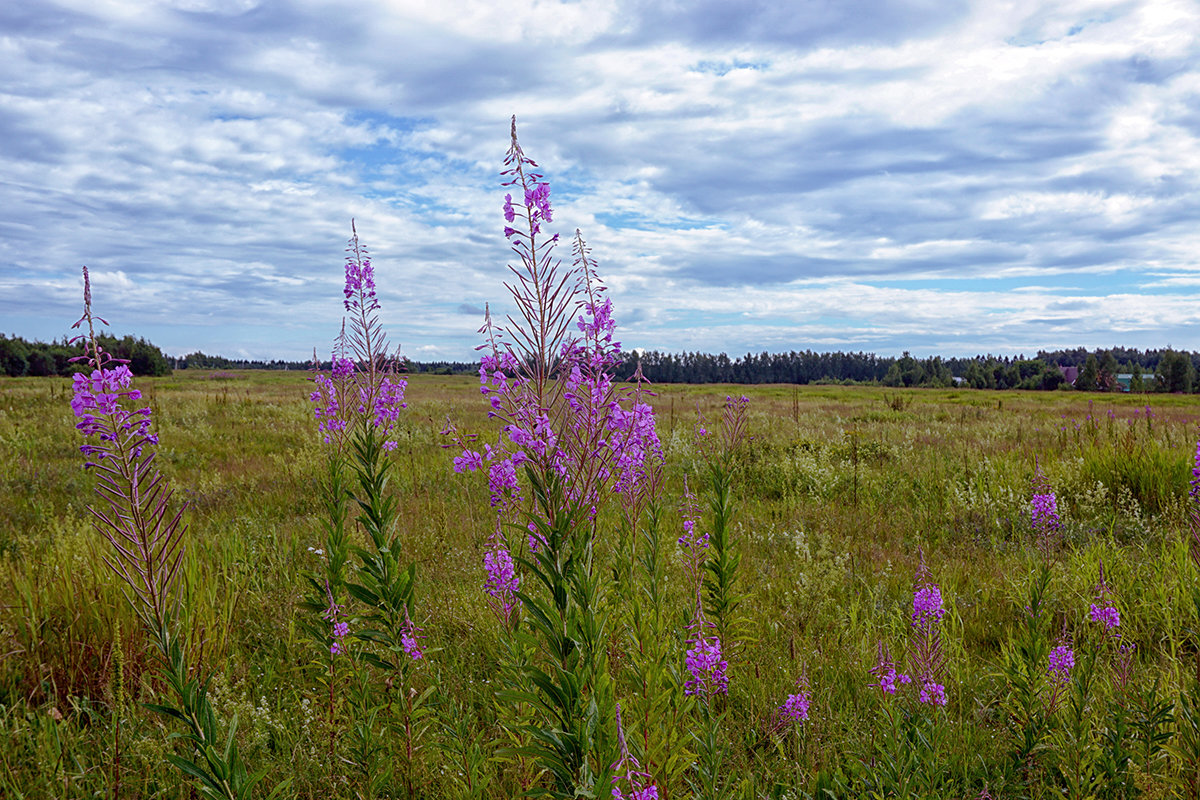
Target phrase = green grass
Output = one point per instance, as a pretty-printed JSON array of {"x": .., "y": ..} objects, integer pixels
[{"x": 836, "y": 493}]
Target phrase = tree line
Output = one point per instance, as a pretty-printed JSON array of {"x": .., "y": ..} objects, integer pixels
[
  {"x": 1151, "y": 370},
  {"x": 19, "y": 357},
  {"x": 1165, "y": 369}
]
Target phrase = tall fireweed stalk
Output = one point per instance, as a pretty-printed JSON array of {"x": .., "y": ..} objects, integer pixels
[
  {"x": 357, "y": 406},
  {"x": 569, "y": 440},
  {"x": 1194, "y": 522},
  {"x": 928, "y": 657},
  {"x": 707, "y": 669},
  {"x": 1044, "y": 517},
  {"x": 134, "y": 516}
]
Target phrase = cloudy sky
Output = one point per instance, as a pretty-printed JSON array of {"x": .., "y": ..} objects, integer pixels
[{"x": 932, "y": 175}]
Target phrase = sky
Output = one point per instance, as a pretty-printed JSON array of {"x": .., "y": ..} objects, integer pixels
[{"x": 935, "y": 176}]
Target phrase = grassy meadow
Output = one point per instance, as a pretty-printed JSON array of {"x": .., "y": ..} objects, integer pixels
[{"x": 837, "y": 492}]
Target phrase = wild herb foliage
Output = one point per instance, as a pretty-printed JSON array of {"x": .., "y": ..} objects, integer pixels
[{"x": 597, "y": 591}]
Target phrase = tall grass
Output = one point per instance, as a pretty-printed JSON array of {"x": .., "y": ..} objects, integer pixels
[{"x": 826, "y": 578}]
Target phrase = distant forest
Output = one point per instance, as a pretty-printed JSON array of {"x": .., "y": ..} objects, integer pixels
[{"x": 1097, "y": 370}]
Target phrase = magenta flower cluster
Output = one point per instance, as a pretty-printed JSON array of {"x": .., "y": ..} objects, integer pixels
[
  {"x": 549, "y": 384},
  {"x": 524, "y": 172},
  {"x": 636, "y": 445},
  {"x": 331, "y": 397},
  {"x": 96, "y": 402},
  {"x": 502, "y": 580},
  {"x": 328, "y": 405},
  {"x": 1045, "y": 513},
  {"x": 1104, "y": 611},
  {"x": 927, "y": 613},
  {"x": 927, "y": 606},
  {"x": 410, "y": 636},
  {"x": 932, "y": 693},
  {"x": 389, "y": 400},
  {"x": 1062, "y": 660},
  {"x": 359, "y": 290},
  {"x": 339, "y": 627},
  {"x": 795, "y": 707},
  {"x": 705, "y": 665},
  {"x": 690, "y": 540},
  {"x": 1108, "y": 615},
  {"x": 358, "y": 390},
  {"x": 645, "y": 793},
  {"x": 889, "y": 679},
  {"x": 1043, "y": 509},
  {"x": 694, "y": 543}
]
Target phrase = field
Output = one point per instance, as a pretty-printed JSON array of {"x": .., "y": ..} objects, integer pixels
[{"x": 837, "y": 494}]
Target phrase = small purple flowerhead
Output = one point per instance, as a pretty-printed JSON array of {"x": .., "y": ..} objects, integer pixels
[
  {"x": 795, "y": 707},
  {"x": 340, "y": 628},
  {"x": 502, "y": 579},
  {"x": 502, "y": 481},
  {"x": 1044, "y": 512},
  {"x": 410, "y": 636},
  {"x": 359, "y": 290},
  {"x": 1062, "y": 660},
  {"x": 1104, "y": 610},
  {"x": 469, "y": 461},
  {"x": 888, "y": 680},
  {"x": 885, "y": 673},
  {"x": 703, "y": 660},
  {"x": 932, "y": 693},
  {"x": 706, "y": 666},
  {"x": 691, "y": 540},
  {"x": 927, "y": 605},
  {"x": 1108, "y": 615}
]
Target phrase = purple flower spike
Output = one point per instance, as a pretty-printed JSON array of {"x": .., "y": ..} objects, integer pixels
[
  {"x": 502, "y": 580},
  {"x": 933, "y": 693},
  {"x": 1194, "y": 493},
  {"x": 888, "y": 680},
  {"x": 1107, "y": 615},
  {"x": 334, "y": 614},
  {"x": 1044, "y": 517},
  {"x": 795, "y": 707},
  {"x": 134, "y": 517},
  {"x": 1045, "y": 512},
  {"x": 1104, "y": 610},
  {"x": 928, "y": 657},
  {"x": 1062, "y": 660},
  {"x": 704, "y": 661},
  {"x": 410, "y": 636},
  {"x": 927, "y": 606}
]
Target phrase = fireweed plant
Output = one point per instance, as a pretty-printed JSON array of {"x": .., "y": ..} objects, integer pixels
[
  {"x": 907, "y": 755},
  {"x": 134, "y": 515},
  {"x": 357, "y": 406},
  {"x": 707, "y": 669},
  {"x": 1034, "y": 673},
  {"x": 570, "y": 440}
]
